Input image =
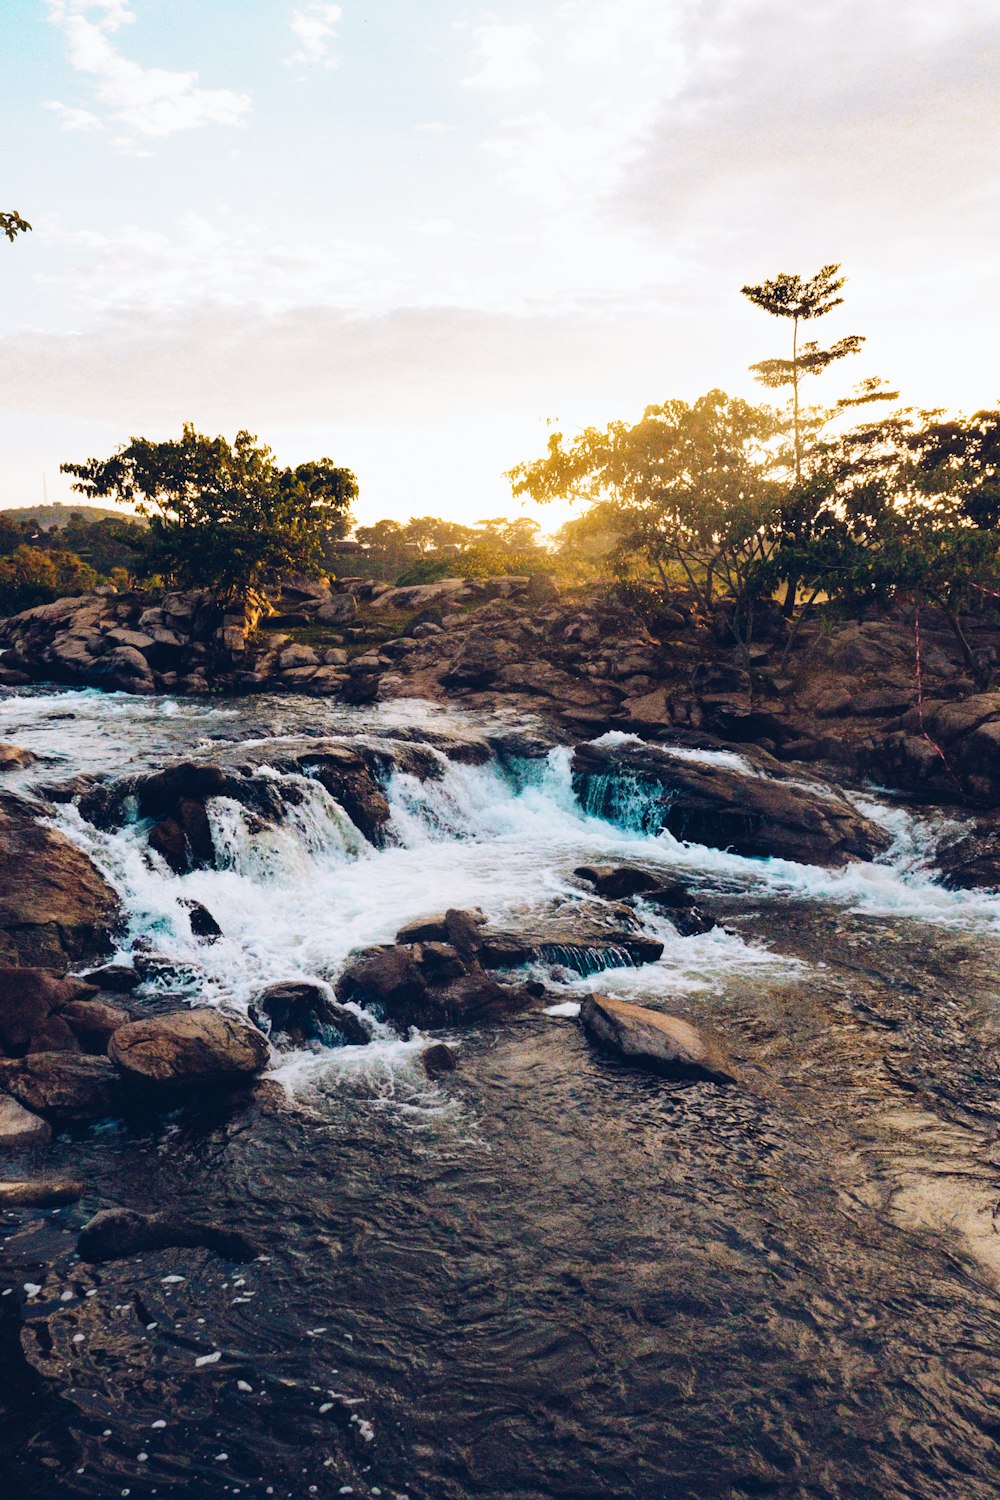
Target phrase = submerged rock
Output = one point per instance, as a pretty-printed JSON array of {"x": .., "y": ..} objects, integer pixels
[
  {"x": 643, "y": 786},
  {"x": 189, "y": 1048},
  {"x": 117, "y": 1233},
  {"x": 20, "y": 1130},
  {"x": 665, "y": 1044}
]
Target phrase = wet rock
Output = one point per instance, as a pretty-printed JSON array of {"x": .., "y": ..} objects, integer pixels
[
  {"x": 617, "y": 881},
  {"x": 971, "y": 860},
  {"x": 54, "y": 906},
  {"x": 351, "y": 782},
  {"x": 649, "y": 1038},
  {"x": 14, "y": 758},
  {"x": 65, "y": 1085},
  {"x": 184, "y": 840},
  {"x": 399, "y": 984},
  {"x": 30, "y": 1002},
  {"x": 117, "y": 1233},
  {"x": 40, "y": 1193},
  {"x": 386, "y": 978},
  {"x": 645, "y": 787},
  {"x": 20, "y": 1130},
  {"x": 94, "y": 1023},
  {"x": 203, "y": 924},
  {"x": 297, "y": 1013},
  {"x": 438, "y": 1059},
  {"x": 188, "y": 1049},
  {"x": 117, "y": 979}
]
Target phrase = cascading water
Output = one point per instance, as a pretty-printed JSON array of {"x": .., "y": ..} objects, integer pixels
[{"x": 546, "y": 1277}]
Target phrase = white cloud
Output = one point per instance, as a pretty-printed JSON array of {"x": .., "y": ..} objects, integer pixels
[
  {"x": 504, "y": 57},
  {"x": 315, "y": 29},
  {"x": 139, "y": 103},
  {"x": 74, "y": 119}
]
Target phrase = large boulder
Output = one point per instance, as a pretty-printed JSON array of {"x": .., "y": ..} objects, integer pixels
[
  {"x": 54, "y": 906},
  {"x": 427, "y": 985},
  {"x": 187, "y": 1049},
  {"x": 647, "y": 788},
  {"x": 33, "y": 1010},
  {"x": 649, "y": 1038},
  {"x": 63, "y": 1085}
]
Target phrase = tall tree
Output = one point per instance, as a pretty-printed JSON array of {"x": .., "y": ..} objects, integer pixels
[
  {"x": 800, "y": 299},
  {"x": 223, "y": 515}
]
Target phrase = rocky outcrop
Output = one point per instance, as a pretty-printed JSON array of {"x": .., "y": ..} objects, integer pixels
[
  {"x": 54, "y": 906},
  {"x": 188, "y": 1049},
  {"x": 644, "y": 787},
  {"x": 117, "y": 1233},
  {"x": 624, "y": 882},
  {"x": 650, "y": 1039}
]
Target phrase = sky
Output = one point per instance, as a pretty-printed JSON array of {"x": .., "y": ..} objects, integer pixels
[{"x": 407, "y": 235}]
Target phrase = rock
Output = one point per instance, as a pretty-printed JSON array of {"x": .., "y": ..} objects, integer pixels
[
  {"x": 438, "y": 1059},
  {"x": 20, "y": 1130},
  {"x": 401, "y": 987},
  {"x": 971, "y": 860},
  {"x": 65, "y": 1085},
  {"x": 352, "y": 783},
  {"x": 117, "y": 1233},
  {"x": 203, "y": 924},
  {"x": 39, "y": 1193},
  {"x": 189, "y": 1048},
  {"x": 643, "y": 786},
  {"x": 185, "y": 840},
  {"x": 94, "y": 1022},
  {"x": 341, "y": 609},
  {"x": 616, "y": 882},
  {"x": 14, "y": 758},
  {"x": 30, "y": 1000},
  {"x": 303, "y": 1012},
  {"x": 54, "y": 906},
  {"x": 665, "y": 1044},
  {"x": 117, "y": 979}
]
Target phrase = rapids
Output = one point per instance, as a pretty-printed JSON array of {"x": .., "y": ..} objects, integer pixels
[{"x": 546, "y": 1275}]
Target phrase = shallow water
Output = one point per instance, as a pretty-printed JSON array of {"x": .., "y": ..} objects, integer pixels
[{"x": 547, "y": 1275}]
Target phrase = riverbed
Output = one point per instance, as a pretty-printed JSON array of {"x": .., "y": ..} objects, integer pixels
[{"x": 545, "y": 1275}]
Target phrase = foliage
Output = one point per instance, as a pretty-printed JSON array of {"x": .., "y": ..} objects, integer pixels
[
  {"x": 224, "y": 515},
  {"x": 11, "y": 224},
  {"x": 694, "y": 487},
  {"x": 29, "y": 576}
]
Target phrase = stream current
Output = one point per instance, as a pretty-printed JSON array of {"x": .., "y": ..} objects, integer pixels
[{"x": 546, "y": 1275}]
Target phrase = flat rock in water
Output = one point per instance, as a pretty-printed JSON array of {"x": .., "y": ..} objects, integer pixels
[
  {"x": 665, "y": 1044},
  {"x": 40, "y": 1193},
  {"x": 20, "y": 1130},
  {"x": 188, "y": 1048}
]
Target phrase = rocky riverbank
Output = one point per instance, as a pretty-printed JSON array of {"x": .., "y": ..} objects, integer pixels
[{"x": 842, "y": 694}]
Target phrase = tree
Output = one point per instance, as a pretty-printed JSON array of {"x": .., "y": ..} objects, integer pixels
[
  {"x": 29, "y": 576},
  {"x": 223, "y": 515},
  {"x": 789, "y": 296},
  {"x": 692, "y": 488},
  {"x": 11, "y": 224}
]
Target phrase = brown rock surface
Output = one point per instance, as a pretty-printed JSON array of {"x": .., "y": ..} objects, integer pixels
[
  {"x": 663, "y": 1043},
  {"x": 54, "y": 906},
  {"x": 188, "y": 1048},
  {"x": 66, "y": 1085}
]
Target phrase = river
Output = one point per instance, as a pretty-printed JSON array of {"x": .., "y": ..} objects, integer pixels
[{"x": 545, "y": 1275}]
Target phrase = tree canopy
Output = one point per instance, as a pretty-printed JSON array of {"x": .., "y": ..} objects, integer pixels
[{"x": 224, "y": 515}]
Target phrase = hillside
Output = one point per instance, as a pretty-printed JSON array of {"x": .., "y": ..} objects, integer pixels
[{"x": 55, "y": 516}]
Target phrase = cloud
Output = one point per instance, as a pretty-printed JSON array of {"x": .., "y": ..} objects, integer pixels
[
  {"x": 141, "y": 104},
  {"x": 315, "y": 29},
  {"x": 504, "y": 57}
]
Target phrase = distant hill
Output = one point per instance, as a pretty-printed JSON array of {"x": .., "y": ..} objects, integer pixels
[{"x": 55, "y": 516}]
